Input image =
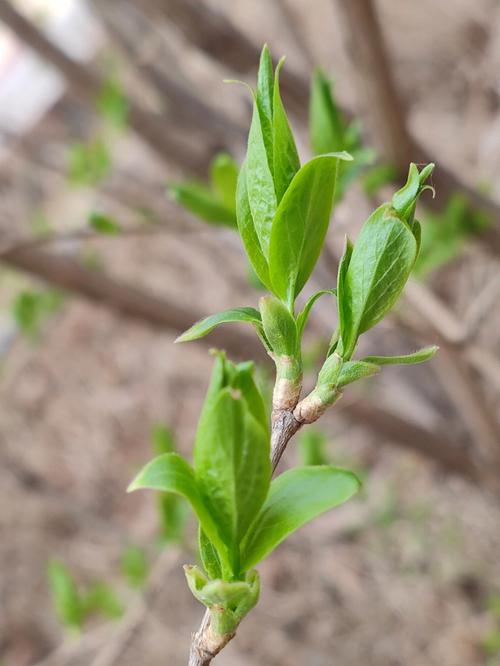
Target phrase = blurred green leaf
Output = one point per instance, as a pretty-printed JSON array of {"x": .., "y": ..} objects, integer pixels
[
  {"x": 104, "y": 224},
  {"x": 89, "y": 163},
  {"x": 101, "y": 598},
  {"x": 31, "y": 309},
  {"x": 65, "y": 596},
  {"x": 112, "y": 103},
  {"x": 312, "y": 443},
  {"x": 135, "y": 566}
]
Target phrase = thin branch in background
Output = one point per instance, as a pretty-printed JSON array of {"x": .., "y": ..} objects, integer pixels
[
  {"x": 87, "y": 85},
  {"x": 184, "y": 107}
]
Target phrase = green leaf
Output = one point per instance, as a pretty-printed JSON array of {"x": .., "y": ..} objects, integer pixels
[
  {"x": 380, "y": 264},
  {"x": 286, "y": 161},
  {"x": 264, "y": 100},
  {"x": 104, "y": 224},
  {"x": 32, "y": 308},
  {"x": 301, "y": 224},
  {"x": 303, "y": 316},
  {"x": 224, "y": 176},
  {"x": 279, "y": 326},
  {"x": 205, "y": 326},
  {"x": 342, "y": 296},
  {"x": 134, "y": 566},
  {"x": 65, "y": 595},
  {"x": 351, "y": 371},
  {"x": 244, "y": 381},
  {"x": 209, "y": 556},
  {"x": 405, "y": 199},
  {"x": 295, "y": 497},
  {"x": 326, "y": 127},
  {"x": 260, "y": 184},
  {"x": 407, "y": 359},
  {"x": 232, "y": 466},
  {"x": 200, "y": 200},
  {"x": 248, "y": 232},
  {"x": 170, "y": 473}
]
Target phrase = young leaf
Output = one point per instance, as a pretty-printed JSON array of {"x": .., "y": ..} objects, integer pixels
[
  {"x": 404, "y": 200},
  {"x": 379, "y": 267},
  {"x": 351, "y": 371},
  {"x": 260, "y": 184},
  {"x": 170, "y": 473},
  {"x": 162, "y": 439},
  {"x": 201, "y": 201},
  {"x": 209, "y": 556},
  {"x": 407, "y": 359},
  {"x": 286, "y": 161},
  {"x": 264, "y": 100},
  {"x": 326, "y": 127},
  {"x": 232, "y": 466},
  {"x": 295, "y": 497},
  {"x": 205, "y": 326},
  {"x": 342, "y": 298},
  {"x": 279, "y": 326},
  {"x": 244, "y": 381},
  {"x": 248, "y": 232},
  {"x": 224, "y": 176},
  {"x": 303, "y": 316},
  {"x": 300, "y": 225}
]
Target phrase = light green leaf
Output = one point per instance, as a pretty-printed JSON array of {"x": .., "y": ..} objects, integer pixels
[
  {"x": 170, "y": 473},
  {"x": 224, "y": 176},
  {"x": 205, "y": 326},
  {"x": 405, "y": 199},
  {"x": 301, "y": 224},
  {"x": 326, "y": 127},
  {"x": 200, "y": 200},
  {"x": 244, "y": 381},
  {"x": 351, "y": 371},
  {"x": 303, "y": 316},
  {"x": 247, "y": 230},
  {"x": 104, "y": 224},
  {"x": 279, "y": 326},
  {"x": 209, "y": 556},
  {"x": 232, "y": 466},
  {"x": 342, "y": 296},
  {"x": 264, "y": 100},
  {"x": 101, "y": 598},
  {"x": 407, "y": 359},
  {"x": 312, "y": 443},
  {"x": 162, "y": 439},
  {"x": 260, "y": 185},
  {"x": 286, "y": 161},
  {"x": 295, "y": 497},
  {"x": 380, "y": 265}
]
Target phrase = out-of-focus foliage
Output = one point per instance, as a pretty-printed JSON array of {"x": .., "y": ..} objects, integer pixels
[
  {"x": 444, "y": 235},
  {"x": 172, "y": 509},
  {"x": 112, "y": 102},
  {"x": 312, "y": 444},
  {"x": 32, "y": 308},
  {"x": 73, "y": 605},
  {"x": 88, "y": 162},
  {"x": 104, "y": 224},
  {"x": 214, "y": 203},
  {"x": 135, "y": 566}
]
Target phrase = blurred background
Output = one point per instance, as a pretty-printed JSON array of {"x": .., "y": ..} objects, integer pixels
[{"x": 103, "y": 105}]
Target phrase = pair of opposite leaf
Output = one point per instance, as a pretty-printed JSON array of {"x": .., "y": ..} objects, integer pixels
[{"x": 243, "y": 515}]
